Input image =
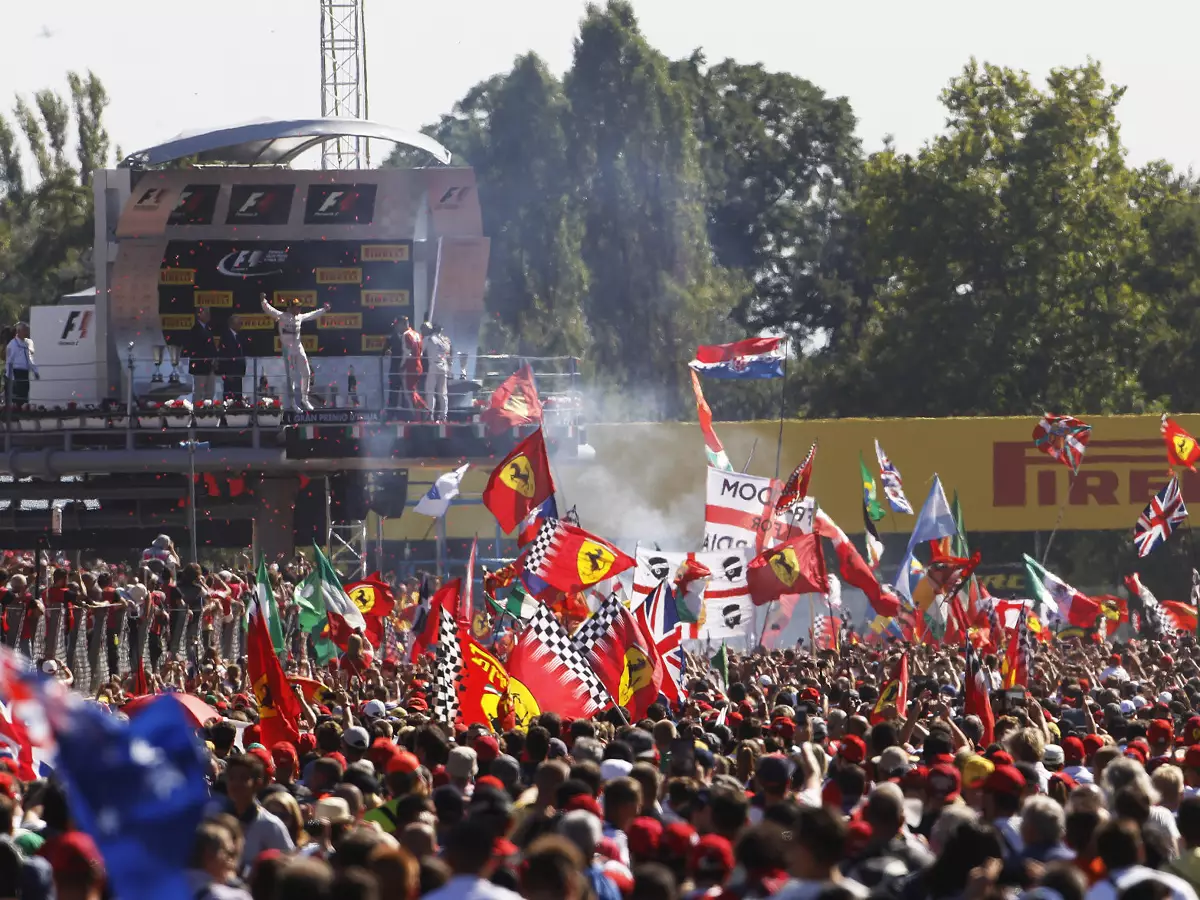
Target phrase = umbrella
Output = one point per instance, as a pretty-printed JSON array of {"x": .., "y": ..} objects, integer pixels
[{"x": 200, "y": 711}]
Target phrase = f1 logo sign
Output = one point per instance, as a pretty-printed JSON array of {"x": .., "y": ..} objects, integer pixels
[
  {"x": 75, "y": 329},
  {"x": 247, "y": 208},
  {"x": 454, "y": 196},
  {"x": 331, "y": 202}
]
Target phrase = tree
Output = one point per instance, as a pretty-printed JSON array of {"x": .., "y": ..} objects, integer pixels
[
  {"x": 46, "y": 230},
  {"x": 655, "y": 290},
  {"x": 1025, "y": 300},
  {"x": 779, "y": 157}
]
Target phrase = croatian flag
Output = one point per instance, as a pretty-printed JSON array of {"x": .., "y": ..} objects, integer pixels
[{"x": 751, "y": 358}]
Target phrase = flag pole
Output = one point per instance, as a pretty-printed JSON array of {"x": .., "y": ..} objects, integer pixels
[
  {"x": 753, "y": 447},
  {"x": 1061, "y": 512},
  {"x": 766, "y": 618},
  {"x": 782, "y": 400}
]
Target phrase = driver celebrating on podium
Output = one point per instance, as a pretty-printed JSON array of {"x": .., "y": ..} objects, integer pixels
[{"x": 299, "y": 371}]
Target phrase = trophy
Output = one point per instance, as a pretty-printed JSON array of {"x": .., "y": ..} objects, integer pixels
[
  {"x": 462, "y": 367},
  {"x": 352, "y": 386},
  {"x": 333, "y": 394},
  {"x": 157, "y": 377},
  {"x": 176, "y": 350}
]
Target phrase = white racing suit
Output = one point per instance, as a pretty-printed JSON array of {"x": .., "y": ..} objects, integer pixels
[
  {"x": 299, "y": 371},
  {"x": 437, "y": 382}
]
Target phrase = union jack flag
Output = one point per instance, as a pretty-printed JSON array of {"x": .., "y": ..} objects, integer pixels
[
  {"x": 659, "y": 617},
  {"x": 1160, "y": 518}
]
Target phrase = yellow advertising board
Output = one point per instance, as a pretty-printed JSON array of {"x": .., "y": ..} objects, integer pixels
[
  {"x": 307, "y": 341},
  {"x": 647, "y": 480},
  {"x": 385, "y": 252},
  {"x": 339, "y": 276},
  {"x": 176, "y": 276},
  {"x": 177, "y": 322},
  {"x": 282, "y": 299}
]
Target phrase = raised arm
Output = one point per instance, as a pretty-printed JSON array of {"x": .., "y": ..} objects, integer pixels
[
  {"x": 319, "y": 311},
  {"x": 269, "y": 309}
]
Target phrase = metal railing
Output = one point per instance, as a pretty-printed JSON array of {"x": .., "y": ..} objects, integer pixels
[{"x": 257, "y": 398}]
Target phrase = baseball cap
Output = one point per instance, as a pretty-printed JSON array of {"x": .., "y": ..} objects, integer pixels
[
  {"x": 1053, "y": 755},
  {"x": 335, "y": 809},
  {"x": 403, "y": 761},
  {"x": 486, "y": 747},
  {"x": 462, "y": 763},
  {"x": 1072, "y": 748},
  {"x": 1092, "y": 743},
  {"x": 712, "y": 856},
  {"x": 1127, "y": 708},
  {"x": 74, "y": 854},
  {"x": 678, "y": 839},
  {"x": 944, "y": 782},
  {"x": 1191, "y": 731},
  {"x": 891, "y": 763},
  {"x": 852, "y": 749},
  {"x": 356, "y": 738},
  {"x": 975, "y": 770},
  {"x": 774, "y": 769},
  {"x": 644, "y": 835},
  {"x": 1005, "y": 780},
  {"x": 1160, "y": 731},
  {"x": 1191, "y": 759},
  {"x": 374, "y": 709}
]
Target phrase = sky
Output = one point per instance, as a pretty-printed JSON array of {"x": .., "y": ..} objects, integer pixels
[{"x": 172, "y": 66}]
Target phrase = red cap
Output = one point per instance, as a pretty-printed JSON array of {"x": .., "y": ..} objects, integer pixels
[
  {"x": 785, "y": 728},
  {"x": 1092, "y": 743},
  {"x": 307, "y": 742},
  {"x": 587, "y": 802},
  {"x": 7, "y": 782},
  {"x": 645, "y": 835},
  {"x": 438, "y": 776},
  {"x": 712, "y": 856},
  {"x": 810, "y": 693},
  {"x": 339, "y": 757},
  {"x": 734, "y": 718},
  {"x": 402, "y": 761},
  {"x": 1115, "y": 659},
  {"x": 1073, "y": 751},
  {"x": 486, "y": 747},
  {"x": 1005, "y": 780},
  {"x": 1066, "y": 779},
  {"x": 1191, "y": 759},
  {"x": 284, "y": 756},
  {"x": 1001, "y": 758},
  {"x": 678, "y": 839},
  {"x": 74, "y": 855},
  {"x": 1190, "y": 733},
  {"x": 945, "y": 782},
  {"x": 853, "y": 749},
  {"x": 252, "y": 735},
  {"x": 914, "y": 779},
  {"x": 1166, "y": 662},
  {"x": 381, "y": 750},
  {"x": 858, "y": 836},
  {"x": 1133, "y": 751},
  {"x": 490, "y": 781},
  {"x": 1161, "y": 731},
  {"x": 265, "y": 755}
]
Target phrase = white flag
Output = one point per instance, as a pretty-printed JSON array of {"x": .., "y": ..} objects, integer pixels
[{"x": 437, "y": 500}]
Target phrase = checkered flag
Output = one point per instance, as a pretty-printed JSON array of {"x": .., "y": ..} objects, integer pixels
[
  {"x": 596, "y": 625},
  {"x": 553, "y": 638},
  {"x": 539, "y": 548},
  {"x": 447, "y": 672}
]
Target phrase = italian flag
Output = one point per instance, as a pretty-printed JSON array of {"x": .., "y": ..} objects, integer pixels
[
  {"x": 269, "y": 608},
  {"x": 325, "y": 597},
  {"x": 519, "y": 605},
  {"x": 1057, "y": 596}
]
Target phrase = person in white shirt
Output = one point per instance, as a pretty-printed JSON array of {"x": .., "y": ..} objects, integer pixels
[
  {"x": 19, "y": 364},
  {"x": 1119, "y": 845},
  {"x": 299, "y": 371},
  {"x": 468, "y": 850},
  {"x": 438, "y": 379},
  {"x": 1114, "y": 670}
]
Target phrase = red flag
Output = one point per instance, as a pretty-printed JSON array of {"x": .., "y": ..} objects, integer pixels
[
  {"x": 621, "y": 654},
  {"x": 894, "y": 693},
  {"x": 977, "y": 696},
  {"x": 553, "y": 672},
  {"x": 716, "y": 452},
  {"x": 375, "y": 601},
  {"x": 1181, "y": 615},
  {"x": 278, "y": 708},
  {"x": 514, "y": 403},
  {"x": 796, "y": 566},
  {"x": 520, "y": 484},
  {"x": 854, "y": 569},
  {"x": 571, "y": 559},
  {"x": 313, "y": 690},
  {"x": 1182, "y": 449},
  {"x": 796, "y": 488},
  {"x": 466, "y": 600},
  {"x": 481, "y": 683},
  {"x": 444, "y": 601}
]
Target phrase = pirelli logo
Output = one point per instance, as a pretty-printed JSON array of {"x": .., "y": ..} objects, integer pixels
[
  {"x": 176, "y": 276},
  {"x": 339, "y": 276},
  {"x": 221, "y": 299},
  {"x": 259, "y": 322},
  {"x": 373, "y": 343},
  {"x": 283, "y": 298},
  {"x": 307, "y": 341},
  {"x": 376, "y": 299},
  {"x": 340, "y": 320},
  {"x": 384, "y": 253},
  {"x": 177, "y": 323}
]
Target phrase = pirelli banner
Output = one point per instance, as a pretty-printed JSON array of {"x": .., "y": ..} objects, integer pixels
[{"x": 367, "y": 285}]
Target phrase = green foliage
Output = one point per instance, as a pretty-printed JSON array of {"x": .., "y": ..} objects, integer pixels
[{"x": 46, "y": 230}]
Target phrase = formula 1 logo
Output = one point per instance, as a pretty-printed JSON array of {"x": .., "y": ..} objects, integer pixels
[
  {"x": 263, "y": 204},
  {"x": 76, "y": 327},
  {"x": 252, "y": 263},
  {"x": 340, "y": 203}
]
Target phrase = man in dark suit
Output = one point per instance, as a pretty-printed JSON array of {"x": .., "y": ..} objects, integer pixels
[
  {"x": 231, "y": 354},
  {"x": 201, "y": 351}
]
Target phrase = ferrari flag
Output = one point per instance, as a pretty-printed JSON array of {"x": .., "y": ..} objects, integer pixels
[
  {"x": 1182, "y": 449},
  {"x": 571, "y": 559},
  {"x": 796, "y": 566},
  {"x": 520, "y": 484}
]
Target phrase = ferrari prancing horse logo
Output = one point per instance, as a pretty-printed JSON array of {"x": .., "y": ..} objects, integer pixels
[
  {"x": 517, "y": 474},
  {"x": 785, "y": 565},
  {"x": 594, "y": 562}
]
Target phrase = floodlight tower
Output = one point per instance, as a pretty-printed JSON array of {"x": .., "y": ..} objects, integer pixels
[{"x": 344, "y": 79}]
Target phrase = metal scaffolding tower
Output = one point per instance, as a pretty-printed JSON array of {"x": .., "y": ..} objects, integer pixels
[{"x": 344, "y": 80}]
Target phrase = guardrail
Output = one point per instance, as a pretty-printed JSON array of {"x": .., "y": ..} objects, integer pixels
[{"x": 253, "y": 401}]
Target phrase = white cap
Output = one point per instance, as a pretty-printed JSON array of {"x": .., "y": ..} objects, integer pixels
[
  {"x": 356, "y": 738},
  {"x": 1139, "y": 701},
  {"x": 614, "y": 768},
  {"x": 374, "y": 708},
  {"x": 1127, "y": 707},
  {"x": 1165, "y": 697}
]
